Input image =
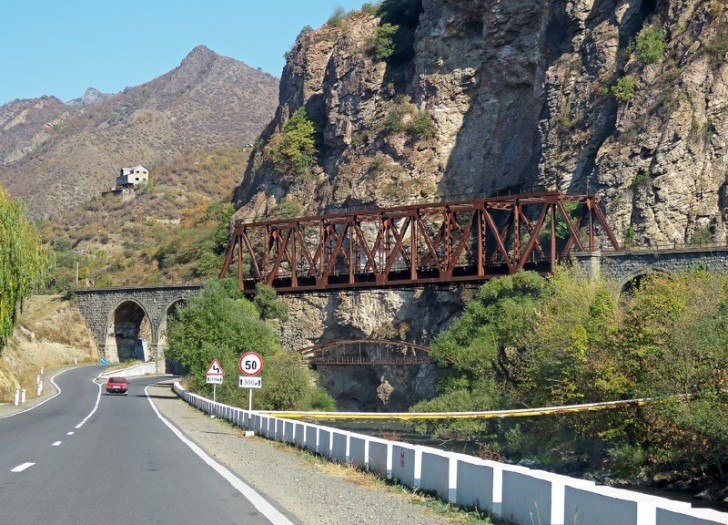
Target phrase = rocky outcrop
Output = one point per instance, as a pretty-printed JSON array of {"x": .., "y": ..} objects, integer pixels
[
  {"x": 628, "y": 99},
  {"x": 521, "y": 95},
  {"x": 409, "y": 315}
]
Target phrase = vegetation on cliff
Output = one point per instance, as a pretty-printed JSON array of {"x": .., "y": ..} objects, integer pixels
[{"x": 530, "y": 342}]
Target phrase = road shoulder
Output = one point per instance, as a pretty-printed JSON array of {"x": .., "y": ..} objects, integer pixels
[{"x": 315, "y": 492}]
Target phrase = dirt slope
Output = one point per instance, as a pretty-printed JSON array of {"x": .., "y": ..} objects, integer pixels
[{"x": 50, "y": 333}]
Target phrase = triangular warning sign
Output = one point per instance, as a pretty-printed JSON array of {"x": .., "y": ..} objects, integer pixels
[{"x": 215, "y": 369}]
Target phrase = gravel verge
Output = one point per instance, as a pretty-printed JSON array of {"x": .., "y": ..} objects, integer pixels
[{"x": 311, "y": 491}]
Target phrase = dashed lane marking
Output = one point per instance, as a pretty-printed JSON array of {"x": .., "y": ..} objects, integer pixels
[{"x": 21, "y": 468}]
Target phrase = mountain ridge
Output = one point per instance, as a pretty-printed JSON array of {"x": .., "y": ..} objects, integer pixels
[{"x": 55, "y": 155}]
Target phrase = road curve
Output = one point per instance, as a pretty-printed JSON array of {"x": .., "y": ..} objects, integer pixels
[{"x": 87, "y": 457}]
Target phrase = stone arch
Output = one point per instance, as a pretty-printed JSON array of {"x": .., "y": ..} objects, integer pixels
[
  {"x": 633, "y": 279},
  {"x": 128, "y": 327},
  {"x": 164, "y": 364}
]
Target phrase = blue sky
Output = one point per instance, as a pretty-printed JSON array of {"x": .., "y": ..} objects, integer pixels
[{"x": 63, "y": 47}]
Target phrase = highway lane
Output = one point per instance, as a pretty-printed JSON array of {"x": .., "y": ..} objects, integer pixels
[{"x": 86, "y": 457}]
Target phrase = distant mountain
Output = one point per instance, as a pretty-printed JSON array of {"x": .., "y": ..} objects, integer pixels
[{"x": 55, "y": 155}]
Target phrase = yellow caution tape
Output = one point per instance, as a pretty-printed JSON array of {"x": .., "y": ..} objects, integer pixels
[{"x": 491, "y": 414}]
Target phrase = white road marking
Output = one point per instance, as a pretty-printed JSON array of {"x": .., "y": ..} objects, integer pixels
[
  {"x": 265, "y": 508},
  {"x": 21, "y": 468},
  {"x": 70, "y": 433},
  {"x": 96, "y": 406},
  {"x": 57, "y": 443}
]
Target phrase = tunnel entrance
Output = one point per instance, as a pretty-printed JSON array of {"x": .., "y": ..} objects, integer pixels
[{"x": 129, "y": 333}]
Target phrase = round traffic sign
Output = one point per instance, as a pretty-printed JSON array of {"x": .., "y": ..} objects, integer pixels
[{"x": 251, "y": 363}]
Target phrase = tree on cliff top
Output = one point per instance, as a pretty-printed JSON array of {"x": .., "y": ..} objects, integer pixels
[{"x": 23, "y": 262}]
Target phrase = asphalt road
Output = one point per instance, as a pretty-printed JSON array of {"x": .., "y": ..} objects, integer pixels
[{"x": 84, "y": 457}]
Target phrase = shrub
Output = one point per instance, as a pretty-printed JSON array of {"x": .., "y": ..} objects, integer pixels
[
  {"x": 371, "y": 8},
  {"x": 304, "y": 31},
  {"x": 625, "y": 88},
  {"x": 422, "y": 127},
  {"x": 294, "y": 150},
  {"x": 337, "y": 17},
  {"x": 383, "y": 46},
  {"x": 702, "y": 236},
  {"x": 629, "y": 236},
  {"x": 627, "y": 460},
  {"x": 639, "y": 178},
  {"x": 405, "y": 117},
  {"x": 650, "y": 44}
]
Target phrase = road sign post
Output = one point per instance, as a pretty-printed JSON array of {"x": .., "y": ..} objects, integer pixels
[
  {"x": 250, "y": 364},
  {"x": 214, "y": 376}
]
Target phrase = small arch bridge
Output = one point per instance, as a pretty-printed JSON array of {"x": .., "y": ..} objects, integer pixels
[{"x": 350, "y": 352}]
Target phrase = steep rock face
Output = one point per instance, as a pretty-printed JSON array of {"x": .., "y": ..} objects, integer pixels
[
  {"x": 408, "y": 315},
  {"x": 521, "y": 95}
]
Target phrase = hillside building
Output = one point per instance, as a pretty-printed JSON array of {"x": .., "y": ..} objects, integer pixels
[
  {"x": 132, "y": 177},
  {"x": 127, "y": 181}
]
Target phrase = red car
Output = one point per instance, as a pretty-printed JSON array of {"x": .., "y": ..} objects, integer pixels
[{"x": 117, "y": 385}]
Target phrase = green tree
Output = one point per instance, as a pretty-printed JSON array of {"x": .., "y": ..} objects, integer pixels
[
  {"x": 482, "y": 352},
  {"x": 650, "y": 44},
  {"x": 673, "y": 342},
  {"x": 23, "y": 262},
  {"x": 267, "y": 304},
  {"x": 625, "y": 88},
  {"x": 220, "y": 323},
  {"x": 294, "y": 150},
  {"x": 383, "y": 45}
]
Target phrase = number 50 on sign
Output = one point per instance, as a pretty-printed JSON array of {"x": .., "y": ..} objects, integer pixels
[{"x": 251, "y": 364}]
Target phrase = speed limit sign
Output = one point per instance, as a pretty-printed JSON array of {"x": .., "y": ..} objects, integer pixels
[{"x": 251, "y": 364}]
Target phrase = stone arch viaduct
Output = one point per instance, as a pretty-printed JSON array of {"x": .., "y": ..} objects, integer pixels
[
  {"x": 121, "y": 318},
  {"x": 129, "y": 322}
]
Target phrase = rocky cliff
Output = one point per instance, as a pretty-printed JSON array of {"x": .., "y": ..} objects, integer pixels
[
  {"x": 440, "y": 99},
  {"x": 624, "y": 98}
]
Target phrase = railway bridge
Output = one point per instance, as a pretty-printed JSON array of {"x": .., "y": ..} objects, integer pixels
[{"x": 418, "y": 246}]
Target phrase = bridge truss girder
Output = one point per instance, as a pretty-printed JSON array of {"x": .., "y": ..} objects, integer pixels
[
  {"x": 369, "y": 352},
  {"x": 472, "y": 240}
]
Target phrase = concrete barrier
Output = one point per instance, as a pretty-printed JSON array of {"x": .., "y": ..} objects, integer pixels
[
  {"x": 359, "y": 451},
  {"x": 407, "y": 464},
  {"x": 599, "y": 505},
  {"x": 521, "y": 495},
  {"x": 439, "y": 474},
  {"x": 694, "y": 517},
  {"x": 340, "y": 446},
  {"x": 479, "y": 484},
  {"x": 324, "y": 442},
  {"x": 289, "y": 431},
  {"x": 380, "y": 457},
  {"x": 300, "y": 439},
  {"x": 311, "y": 443}
]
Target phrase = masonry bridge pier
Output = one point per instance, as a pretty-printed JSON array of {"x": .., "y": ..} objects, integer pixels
[{"x": 417, "y": 246}]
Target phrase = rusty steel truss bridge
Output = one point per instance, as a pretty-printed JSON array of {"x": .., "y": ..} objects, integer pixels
[{"x": 418, "y": 244}]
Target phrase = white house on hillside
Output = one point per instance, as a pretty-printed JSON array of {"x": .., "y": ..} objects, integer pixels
[{"x": 132, "y": 177}]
